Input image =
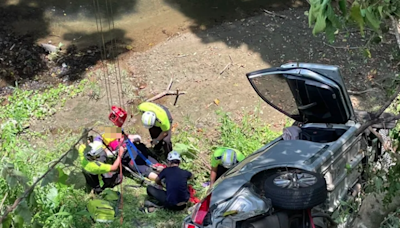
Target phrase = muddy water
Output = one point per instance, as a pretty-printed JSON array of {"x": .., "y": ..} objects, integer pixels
[{"x": 137, "y": 23}]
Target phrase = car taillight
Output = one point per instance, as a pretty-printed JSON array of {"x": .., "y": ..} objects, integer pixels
[
  {"x": 190, "y": 226},
  {"x": 201, "y": 211}
]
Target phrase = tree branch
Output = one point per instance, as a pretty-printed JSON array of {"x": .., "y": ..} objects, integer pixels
[
  {"x": 395, "y": 25},
  {"x": 166, "y": 93},
  {"x": 376, "y": 120},
  {"x": 30, "y": 189}
]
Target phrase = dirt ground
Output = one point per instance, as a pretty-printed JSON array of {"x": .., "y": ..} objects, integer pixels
[{"x": 195, "y": 62}]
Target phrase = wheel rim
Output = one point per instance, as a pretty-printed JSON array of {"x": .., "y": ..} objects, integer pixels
[{"x": 295, "y": 180}]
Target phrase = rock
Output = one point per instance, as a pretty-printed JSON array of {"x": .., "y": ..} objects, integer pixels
[{"x": 50, "y": 48}]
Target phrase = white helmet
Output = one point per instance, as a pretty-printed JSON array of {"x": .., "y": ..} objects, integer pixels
[
  {"x": 97, "y": 148},
  {"x": 149, "y": 119},
  {"x": 173, "y": 155},
  {"x": 228, "y": 158}
]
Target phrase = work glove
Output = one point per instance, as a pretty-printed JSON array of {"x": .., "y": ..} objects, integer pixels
[{"x": 154, "y": 142}]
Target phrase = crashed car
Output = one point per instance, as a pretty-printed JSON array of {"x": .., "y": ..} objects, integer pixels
[{"x": 274, "y": 186}]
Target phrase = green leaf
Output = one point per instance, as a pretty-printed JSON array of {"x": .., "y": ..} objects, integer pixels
[
  {"x": 367, "y": 53},
  {"x": 24, "y": 212},
  {"x": 51, "y": 177},
  {"x": 355, "y": 14},
  {"x": 77, "y": 179},
  {"x": 320, "y": 24},
  {"x": 330, "y": 32},
  {"x": 52, "y": 195},
  {"x": 12, "y": 181},
  {"x": 332, "y": 17},
  {"x": 380, "y": 9},
  {"x": 70, "y": 157},
  {"x": 378, "y": 183},
  {"x": 62, "y": 177},
  {"x": 7, "y": 222},
  {"x": 373, "y": 21},
  {"x": 18, "y": 221},
  {"x": 32, "y": 200},
  {"x": 181, "y": 148},
  {"x": 343, "y": 7}
]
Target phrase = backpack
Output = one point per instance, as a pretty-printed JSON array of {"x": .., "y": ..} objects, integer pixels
[{"x": 104, "y": 210}]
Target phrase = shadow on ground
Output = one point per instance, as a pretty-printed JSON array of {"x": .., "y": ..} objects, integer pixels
[
  {"x": 284, "y": 36},
  {"x": 24, "y": 22}
]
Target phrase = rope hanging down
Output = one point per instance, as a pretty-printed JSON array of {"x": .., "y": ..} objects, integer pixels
[{"x": 109, "y": 53}]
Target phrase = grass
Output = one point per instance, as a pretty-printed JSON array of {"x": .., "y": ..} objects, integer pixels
[{"x": 61, "y": 202}]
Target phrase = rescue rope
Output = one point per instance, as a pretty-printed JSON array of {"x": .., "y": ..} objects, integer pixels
[
  {"x": 103, "y": 52},
  {"x": 117, "y": 69}
]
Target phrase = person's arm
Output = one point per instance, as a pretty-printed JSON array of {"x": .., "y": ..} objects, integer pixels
[
  {"x": 165, "y": 127},
  {"x": 158, "y": 181},
  {"x": 162, "y": 136},
  {"x": 213, "y": 175},
  {"x": 117, "y": 162},
  {"x": 189, "y": 175}
]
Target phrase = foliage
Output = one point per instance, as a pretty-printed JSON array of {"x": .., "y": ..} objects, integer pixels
[
  {"x": 372, "y": 13},
  {"x": 392, "y": 220},
  {"x": 55, "y": 202},
  {"x": 59, "y": 199},
  {"x": 246, "y": 136}
]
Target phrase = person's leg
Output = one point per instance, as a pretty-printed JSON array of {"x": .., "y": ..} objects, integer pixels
[
  {"x": 220, "y": 171},
  {"x": 176, "y": 208},
  {"x": 111, "y": 180},
  {"x": 154, "y": 133},
  {"x": 147, "y": 171},
  {"x": 93, "y": 182},
  {"x": 158, "y": 194},
  {"x": 167, "y": 145}
]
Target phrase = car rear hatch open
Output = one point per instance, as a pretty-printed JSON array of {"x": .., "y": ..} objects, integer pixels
[{"x": 308, "y": 93}]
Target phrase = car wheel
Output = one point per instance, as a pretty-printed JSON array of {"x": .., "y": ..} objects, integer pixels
[{"x": 296, "y": 189}]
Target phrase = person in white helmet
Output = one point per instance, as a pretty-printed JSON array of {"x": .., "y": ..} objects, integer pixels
[
  {"x": 158, "y": 120},
  {"x": 177, "y": 194},
  {"x": 94, "y": 167},
  {"x": 223, "y": 159}
]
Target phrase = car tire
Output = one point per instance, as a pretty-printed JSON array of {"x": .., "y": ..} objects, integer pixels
[{"x": 307, "y": 196}]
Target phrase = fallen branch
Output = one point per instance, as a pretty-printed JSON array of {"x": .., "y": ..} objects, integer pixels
[
  {"x": 30, "y": 189},
  {"x": 341, "y": 47},
  {"x": 4, "y": 199},
  {"x": 227, "y": 66},
  {"x": 167, "y": 92},
  {"x": 274, "y": 14},
  {"x": 351, "y": 92},
  {"x": 376, "y": 120}
]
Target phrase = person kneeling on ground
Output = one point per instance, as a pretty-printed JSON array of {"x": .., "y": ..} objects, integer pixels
[
  {"x": 94, "y": 167},
  {"x": 158, "y": 119},
  {"x": 177, "y": 194},
  {"x": 114, "y": 139},
  {"x": 222, "y": 160}
]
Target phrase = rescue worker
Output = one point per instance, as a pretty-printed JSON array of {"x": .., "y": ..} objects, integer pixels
[
  {"x": 223, "y": 159},
  {"x": 94, "y": 167},
  {"x": 113, "y": 138},
  {"x": 158, "y": 120},
  {"x": 177, "y": 194}
]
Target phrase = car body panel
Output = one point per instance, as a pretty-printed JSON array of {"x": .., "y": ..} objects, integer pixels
[{"x": 315, "y": 95}]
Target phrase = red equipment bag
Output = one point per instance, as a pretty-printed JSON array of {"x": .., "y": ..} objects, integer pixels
[
  {"x": 192, "y": 192},
  {"x": 117, "y": 116}
]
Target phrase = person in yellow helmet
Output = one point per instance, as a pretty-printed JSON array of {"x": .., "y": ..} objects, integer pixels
[
  {"x": 158, "y": 120},
  {"x": 223, "y": 159}
]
